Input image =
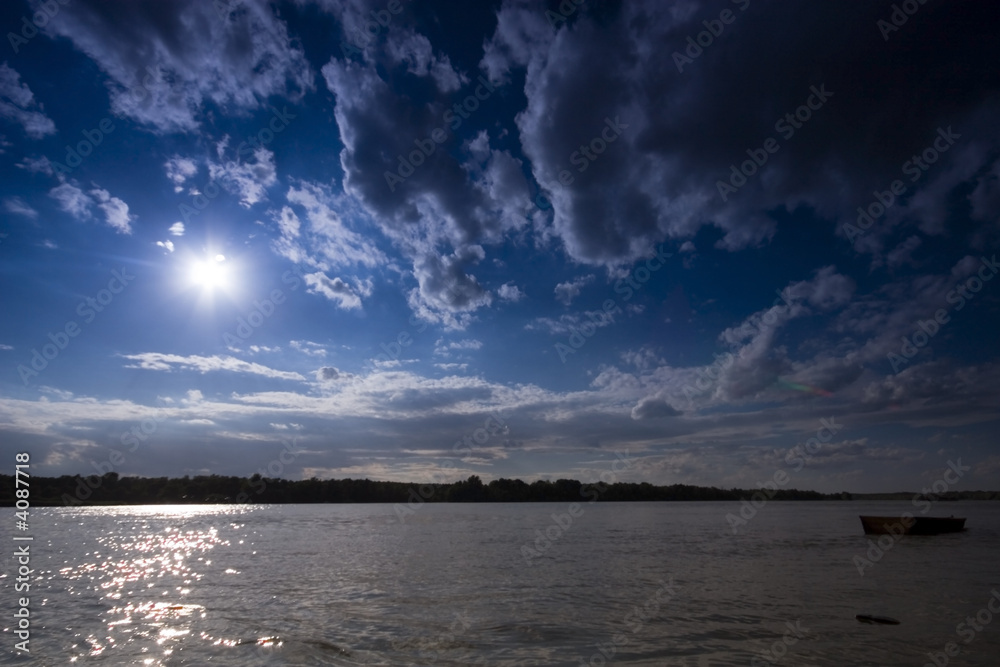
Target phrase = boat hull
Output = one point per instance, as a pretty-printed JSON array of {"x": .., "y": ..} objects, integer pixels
[{"x": 911, "y": 525}]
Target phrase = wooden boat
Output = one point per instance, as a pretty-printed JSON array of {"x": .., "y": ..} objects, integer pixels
[{"x": 911, "y": 525}]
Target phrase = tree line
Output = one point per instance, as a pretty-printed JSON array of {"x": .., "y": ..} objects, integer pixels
[{"x": 111, "y": 489}]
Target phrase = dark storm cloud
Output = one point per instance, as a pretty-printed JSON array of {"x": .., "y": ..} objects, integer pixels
[
  {"x": 406, "y": 161},
  {"x": 875, "y": 104}
]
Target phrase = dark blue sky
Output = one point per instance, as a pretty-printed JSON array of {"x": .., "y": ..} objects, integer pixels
[{"x": 690, "y": 231}]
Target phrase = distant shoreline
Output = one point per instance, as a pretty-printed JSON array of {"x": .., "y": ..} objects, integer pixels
[{"x": 112, "y": 490}]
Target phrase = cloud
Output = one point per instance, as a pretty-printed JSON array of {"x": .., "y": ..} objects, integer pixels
[
  {"x": 570, "y": 322},
  {"x": 325, "y": 241},
  {"x": 657, "y": 172},
  {"x": 346, "y": 296},
  {"x": 569, "y": 290},
  {"x": 308, "y": 347},
  {"x": 903, "y": 253},
  {"x": 452, "y": 366},
  {"x": 18, "y": 206},
  {"x": 415, "y": 51},
  {"x": 248, "y": 180},
  {"x": 179, "y": 170},
  {"x": 156, "y": 361},
  {"x": 510, "y": 292},
  {"x": 78, "y": 203},
  {"x": 176, "y": 229},
  {"x": 331, "y": 374},
  {"x": 445, "y": 293},
  {"x": 466, "y": 345},
  {"x": 166, "y": 245},
  {"x": 654, "y": 407},
  {"x": 455, "y": 200},
  {"x": 39, "y": 165},
  {"x": 167, "y": 69},
  {"x": 115, "y": 211},
  {"x": 72, "y": 200},
  {"x": 17, "y": 104}
]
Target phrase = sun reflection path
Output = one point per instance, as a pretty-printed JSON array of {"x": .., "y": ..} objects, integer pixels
[{"x": 145, "y": 574}]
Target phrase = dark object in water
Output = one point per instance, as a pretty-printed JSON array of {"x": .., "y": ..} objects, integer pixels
[
  {"x": 911, "y": 525},
  {"x": 881, "y": 620}
]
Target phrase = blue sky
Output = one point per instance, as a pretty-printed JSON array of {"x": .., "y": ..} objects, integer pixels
[{"x": 690, "y": 231}]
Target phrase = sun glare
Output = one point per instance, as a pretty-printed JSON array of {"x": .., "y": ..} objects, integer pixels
[{"x": 210, "y": 273}]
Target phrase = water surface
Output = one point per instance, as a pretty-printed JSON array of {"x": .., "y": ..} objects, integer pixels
[{"x": 647, "y": 583}]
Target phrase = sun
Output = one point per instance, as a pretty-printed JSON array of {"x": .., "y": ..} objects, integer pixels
[{"x": 211, "y": 273}]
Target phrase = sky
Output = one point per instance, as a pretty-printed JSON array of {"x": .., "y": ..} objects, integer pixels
[{"x": 727, "y": 242}]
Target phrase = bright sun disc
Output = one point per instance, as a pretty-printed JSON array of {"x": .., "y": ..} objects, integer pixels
[{"x": 210, "y": 273}]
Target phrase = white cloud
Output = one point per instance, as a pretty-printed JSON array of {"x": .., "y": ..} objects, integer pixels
[
  {"x": 345, "y": 295},
  {"x": 18, "y": 105},
  {"x": 78, "y": 203},
  {"x": 156, "y": 361},
  {"x": 510, "y": 292},
  {"x": 167, "y": 245},
  {"x": 569, "y": 290},
  {"x": 39, "y": 165},
  {"x": 166, "y": 68},
  {"x": 179, "y": 170},
  {"x": 18, "y": 206},
  {"x": 249, "y": 180},
  {"x": 72, "y": 200},
  {"x": 325, "y": 241},
  {"x": 115, "y": 211},
  {"x": 570, "y": 322},
  {"x": 308, "y": 347},
  {"x": 466, "y": 345},
  {"x": 177, "y": 229}
]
